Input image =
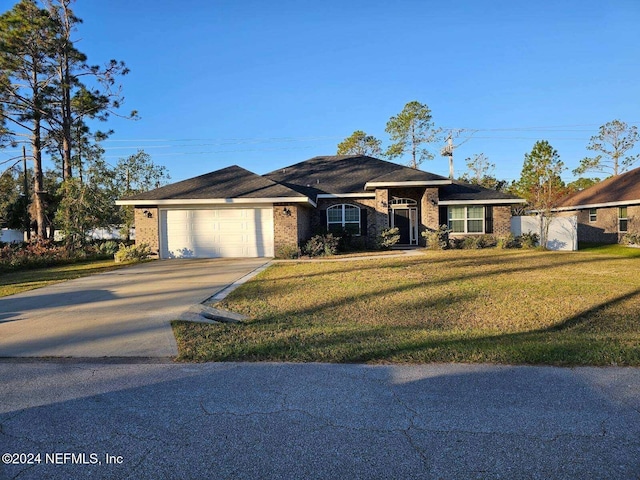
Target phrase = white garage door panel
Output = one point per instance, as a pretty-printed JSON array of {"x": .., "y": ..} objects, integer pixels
[{"x": 225, "y": 232}]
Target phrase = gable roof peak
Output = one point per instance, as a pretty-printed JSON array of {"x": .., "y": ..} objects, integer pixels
[{"x": 619, "y": 188}]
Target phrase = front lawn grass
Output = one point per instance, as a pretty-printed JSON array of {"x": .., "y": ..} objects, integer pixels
[
  {"x": 611, "y": 249},
  {"x": 28, "y": 279},
  {"x": 500, "y": 306}
]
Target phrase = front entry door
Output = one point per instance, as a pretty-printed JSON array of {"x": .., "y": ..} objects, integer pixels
[{"x": 402, "y": 222}]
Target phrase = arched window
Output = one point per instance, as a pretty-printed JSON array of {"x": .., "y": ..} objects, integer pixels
[{"x": 343, "y": 218}]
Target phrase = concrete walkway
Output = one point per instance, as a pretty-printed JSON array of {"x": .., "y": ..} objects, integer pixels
[
  {"x": 123, "y": 313},
  {"x": 316, "y": 421}
]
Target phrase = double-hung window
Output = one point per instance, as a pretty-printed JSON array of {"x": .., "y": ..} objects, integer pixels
[
  {"x": 466, "y": 219},
  {"x": 343, "y": 218},
  {"x": 623, "y": 220},
  {"x": 593, "y": 215}
]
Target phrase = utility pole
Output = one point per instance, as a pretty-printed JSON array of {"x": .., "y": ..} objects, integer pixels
[
  {"x": 447, "y": 151},
  {"x": 25, "y": 192}
]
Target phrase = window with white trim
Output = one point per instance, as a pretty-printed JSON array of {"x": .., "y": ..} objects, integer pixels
[
  {"x": 403, "y": 201},
  {"x": 593, "y": 215},
  {"x": 343, "y": 218},
  {"x": 623, "y": 220},
  {"x": 466, "y": 219}
]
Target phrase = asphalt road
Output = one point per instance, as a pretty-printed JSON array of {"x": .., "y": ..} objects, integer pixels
[
  {"x": 307, "y": 421},
  {"x": 122, "y": 313}
]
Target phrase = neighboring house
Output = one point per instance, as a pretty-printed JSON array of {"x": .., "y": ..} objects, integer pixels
[
  {"x": 607, "y": 210},
  {"x": 236, "y": 213}
]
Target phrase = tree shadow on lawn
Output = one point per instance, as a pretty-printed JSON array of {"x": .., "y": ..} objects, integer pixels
[
  {"x": 559, "y": 344},
  {"x": 511, "y": 263},
  {"x": 272, "y": 286}
]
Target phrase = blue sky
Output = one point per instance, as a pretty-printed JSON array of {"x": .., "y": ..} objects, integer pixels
[{"x": 267, "y": 84}]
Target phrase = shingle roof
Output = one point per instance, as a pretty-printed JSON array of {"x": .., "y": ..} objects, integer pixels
[
  {"x": 621, "y": 188},
  {"x": 230, "y": 182},
  {"x": 344, "y": 174},
  {"x": 339, "y": 174},
  {"x": 406, "y": 174},
  {"x": 460, "y": 191}
]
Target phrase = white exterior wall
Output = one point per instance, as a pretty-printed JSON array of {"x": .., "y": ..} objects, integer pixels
[{"x": 563, "y": 231}]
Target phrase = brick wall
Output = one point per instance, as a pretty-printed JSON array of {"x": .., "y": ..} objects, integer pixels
[
  {"x": 605, "y": 228},
  {"x": 147, "y": 227},
  {"x": 381, "y": 210},
  {"x": 633, "y": 214},
  {"x": 430, "y": 215},
  {"x": 285, "y": 225},
  {"x": 501, "y": 220}
]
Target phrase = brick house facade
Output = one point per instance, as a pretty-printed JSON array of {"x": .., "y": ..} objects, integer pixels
[
  {"x": 608, "y": 210},
  {"x": 236, "y": 212}
]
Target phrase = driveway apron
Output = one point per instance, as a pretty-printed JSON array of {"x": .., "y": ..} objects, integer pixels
[{"x": 123, "y": 313}]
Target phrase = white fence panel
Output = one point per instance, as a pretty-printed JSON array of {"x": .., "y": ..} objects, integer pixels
[{"x": 563, "y": 231}]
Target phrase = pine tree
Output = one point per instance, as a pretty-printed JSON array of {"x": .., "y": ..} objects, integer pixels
[{"x": 409, "y": 131}]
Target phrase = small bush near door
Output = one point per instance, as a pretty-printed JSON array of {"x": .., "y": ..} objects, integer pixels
[
  {"x": 287, "y": 252},
  {"x": 388, "y": 238},
  {"x": 437, "y": 239},
  {"x": 322, "y": 245}
]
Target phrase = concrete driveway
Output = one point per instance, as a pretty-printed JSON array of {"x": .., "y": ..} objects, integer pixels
[{"x": 124, "y": 313}]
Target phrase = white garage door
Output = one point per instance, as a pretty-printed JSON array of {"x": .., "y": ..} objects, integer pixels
[{"x": 221, "y": 232}]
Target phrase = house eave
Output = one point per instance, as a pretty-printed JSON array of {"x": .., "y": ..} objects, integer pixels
[
  {"x": 587, "y": 206},
  {"x": 421, "y": 183},
  {"x": 347, "y": 195},
  {"x": 495, "y": 201},
  {"x": 215, "y": 201}
]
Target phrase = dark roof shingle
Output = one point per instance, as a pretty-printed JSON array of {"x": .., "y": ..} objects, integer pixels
[
  {"x": 337, "y": 174},
  {"x": 459, "y": 191},
  {"x": 230, "y": 182},
  {"x": 621, "y": 188},
  {"x": 344, "y": 174}
]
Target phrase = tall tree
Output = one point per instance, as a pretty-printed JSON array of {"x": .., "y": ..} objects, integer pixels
[
  {"x": 480, "y": 172},
  {"x": 612, "y": 143},
  {"x": 478, "y": 166},
  {"x": 136, "y": 174},
  {"x": 48, "y": 91},
  {"x": 410, "y": 131},
  {"x": 13, "y": 201},
  {"x": 74, "y": 101},
  {"x": 87, "y": 201},
  {"x": 540, "y": 183},
  {"x": 582, "y": 183},
  {"x": 359, "y": 143},
  {"x": 26, "y": 33}
]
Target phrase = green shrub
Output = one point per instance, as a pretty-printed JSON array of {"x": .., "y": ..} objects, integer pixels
[
  {"x": 109, "y": 247},
  {"x": 287, "y": 252},
  {"x": 322, "y": 245},
  {"x": 470, "y": 243},
  {"x": 455, "y": 243},
  {"x": 508, "y": 241},
  {"x": 529, "y": 240},
  {"x": 486, "y": 241},
  {"x": 437, "y": 239},
  {"x": 351, "y": 243},
  {"x": 387, "y": 238},
  {"x": 35, "y": 254},
  {"x": 132, "y": 253}
]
